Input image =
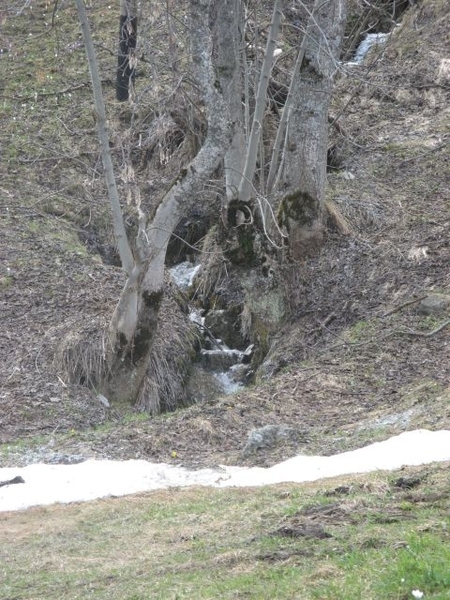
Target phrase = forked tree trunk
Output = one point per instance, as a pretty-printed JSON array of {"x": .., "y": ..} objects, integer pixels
[
  {"x": 133, "y": 325},
  {"x": 304, "y": 177},
  {"x": 134, "y": 322},
  {"x": 241, "y": 158}
]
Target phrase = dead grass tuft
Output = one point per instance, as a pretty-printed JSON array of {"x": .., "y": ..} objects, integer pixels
[
  {"x": 172, "y": 140},
  {"x": 231, "y": 558},
  {"x": 81, "y": 356},
  {"x": 213, "y": 264},
  {"x": 170, "y": 363},
  {"x": 203, "y": 427}
]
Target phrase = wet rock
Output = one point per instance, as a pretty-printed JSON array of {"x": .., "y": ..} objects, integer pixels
[
  {"x": 202, "y": 385},
  {"x": 248, "y": 353},
  {"x": 219, "y": 359},
  {"x": 240, "y": 373},
  {"x": 225, "y": 324},
  {"x": 265, "y": 309}
]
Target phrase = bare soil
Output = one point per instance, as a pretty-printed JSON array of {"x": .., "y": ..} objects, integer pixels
[{"x": 356, "y": 362}]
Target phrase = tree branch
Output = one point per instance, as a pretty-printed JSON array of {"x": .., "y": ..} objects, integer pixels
[
  {"x": 255, "y": 134},
  {"x": 126, "y": 256}
]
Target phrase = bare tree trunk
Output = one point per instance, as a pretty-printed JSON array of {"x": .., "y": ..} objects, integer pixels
[
  {"x": 125, "y": 253},
  {"x": 134, "y": 322},
  {"x": 126, "y": 60},
  {"x": 304, "y": 176},
  {"x": 229, "y": 49},
  {"x": 173, "y": 48},
  {"x": 276, "y": 160},
  {"x": 240, "y": 160}
]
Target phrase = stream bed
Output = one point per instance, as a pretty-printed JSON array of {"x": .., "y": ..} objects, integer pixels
[{"x": 218, "y": 367}]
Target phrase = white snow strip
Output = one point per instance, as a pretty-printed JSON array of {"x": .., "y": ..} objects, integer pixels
[{"x": 48, "y": 484}]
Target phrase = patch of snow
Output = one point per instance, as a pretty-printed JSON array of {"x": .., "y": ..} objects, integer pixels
[{"x": 48, "y": 484}]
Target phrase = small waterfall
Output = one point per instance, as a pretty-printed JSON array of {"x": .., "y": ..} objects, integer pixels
[
  {"x": 371, "y": 39},
  {"x": 228, "y": 367},
  {"x": 184, "y": 273}
]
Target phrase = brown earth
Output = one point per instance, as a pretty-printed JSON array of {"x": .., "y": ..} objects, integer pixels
[{"x": 357, "y": 361}]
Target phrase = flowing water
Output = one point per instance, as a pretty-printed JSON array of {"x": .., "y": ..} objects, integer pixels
[{"x": 371, "y": 39}]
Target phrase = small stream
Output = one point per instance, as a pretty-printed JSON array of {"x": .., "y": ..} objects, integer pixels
[
  {"x": 221, "y": 369},
  {"x": 227, "y": 366}
]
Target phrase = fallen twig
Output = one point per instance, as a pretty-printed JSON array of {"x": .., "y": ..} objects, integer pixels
[
  {"x": 17, "y": 479},
  {"x": 398, "y": 308},
  {"x": 429, "y": 333}
]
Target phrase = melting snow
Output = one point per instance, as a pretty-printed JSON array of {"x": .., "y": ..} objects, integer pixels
[{"x": 48, "y": 484}]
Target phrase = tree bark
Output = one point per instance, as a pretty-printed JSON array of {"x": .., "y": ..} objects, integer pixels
[
  {"x": 126, "y": 256},
  {"x": 229, "y": 43},
  {"x": 126, "y": 59},
  {"x": 304, "y": 175}
]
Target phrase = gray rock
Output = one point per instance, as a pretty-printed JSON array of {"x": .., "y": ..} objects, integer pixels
[
  {"x": 225, "y": 324},
  {"x": 103, "y": 400},
  {"x": 219, "y": 360},
  {"x": 268, "y": 437},
  {"x": 434, "y": 304},
  {"x": 202, "y": 385}
]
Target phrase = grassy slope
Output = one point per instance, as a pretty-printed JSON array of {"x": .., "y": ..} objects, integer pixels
[
  {"x": 378, "y": 536},
  {"x": 357, "y": 379}
]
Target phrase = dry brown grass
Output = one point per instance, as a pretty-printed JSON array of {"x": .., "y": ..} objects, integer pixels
[
  {"x": 82, "y": 354},
  {"x": 170, "y": 362},
  {"x": 80, "y": 358}
]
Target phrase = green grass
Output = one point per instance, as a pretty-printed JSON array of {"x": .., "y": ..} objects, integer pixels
[
  {"x": 205, "y": 543},
  {"x": 361, "y": 330}
]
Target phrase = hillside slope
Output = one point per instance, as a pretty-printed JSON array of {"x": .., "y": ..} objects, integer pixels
[{"x": 358, "y": 360}]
